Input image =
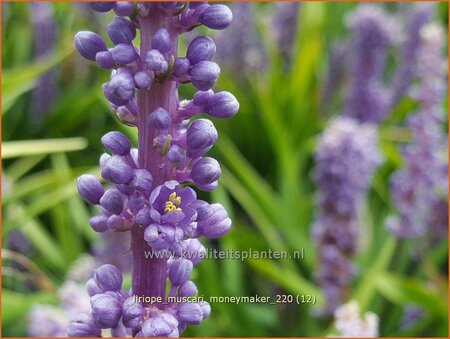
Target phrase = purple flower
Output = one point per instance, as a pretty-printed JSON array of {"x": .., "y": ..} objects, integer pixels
[
  {"x": 202, "y": 48},
  {"x": 83, "y": 326},
  {"x": 89, "y": 44},
  {"x": 121, "y": 31},
  {"x": 116, "y": 143},
  {"x": 161, "y": 40},
  {"x": 106, "y": 309},
  {"x": 90, "y": 188},
  {"x": 162, "y": 325}
]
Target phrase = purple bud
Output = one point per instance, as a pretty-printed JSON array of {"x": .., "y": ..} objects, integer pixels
[
  {"x": 143, "y": 79},
  {"x": 132, "y": 313},
  {"x": 201, "y": 133},
  {"x": 188, "y": 289},
  {"x": 115, "y": 222},
  {"x": 202, "y": 99},
  {"x": 161, "y": 40},
  {"x": 142, "y": 180},
  {"x": 88, "y": 44},
  {"x": 90, "y": 188},
  {"x": 106, "y": 309},
  {"x": 151, "y": 233},
  {"x": 202, "y": 48},
  {"x": 116, "y": 143},
  {"x": 99, "y": 223},
  {"x": 93, "y": 288},
  {"x": 206, "y": 308},
  {"x": 109, "y": 278},
  {"x": 112, "y": 201},
  {"x": 217, "y": 17},
  {"x": 155, "y": 61},
  {"x": 217, "y": 225},
  {"x": 194, "y": 250},
  {"x": 121, "y": 31},
  {"x": 117, "y": 170},
  {"x": 124, "y": 8},
  {"x": 203, "y": 209},
  {"x": 180, "y": 66},
  {"x": 223, "y": 105},
  {"x": 104, "y": 159},
  {"x": 124, "y": 54},
  {"x": 105, "y": 59},
  {"x": 205, "y": 171},
  {"x": 176, "y": 154},
  {"x": 204, "y": 74},
  {"x": 159, "y": 119},
  {"x": 161, "y": 325},
  {"x": 190, "y": 313},
  {"x": 143, "y": 217},
  {"x": 136, "y": 201},
  {"x": 83, "y": 326},
  {"x": 179, "y": 271},
  {"x": 120, "y": 89},
  {"x": 102, "y": 6}
]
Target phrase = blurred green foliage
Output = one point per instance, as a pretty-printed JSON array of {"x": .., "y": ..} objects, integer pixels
[{"x": 266, "y": 154}]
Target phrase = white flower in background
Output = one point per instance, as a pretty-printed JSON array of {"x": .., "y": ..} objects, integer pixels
[{"x": 350, "y": 323}]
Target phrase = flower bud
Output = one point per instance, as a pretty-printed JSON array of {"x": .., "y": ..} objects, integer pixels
[
  {"x": 124, "y": 8},
  {"x": 132, "y": 313},
  {"x": 108, "y": 278},
  {"x": 179, "y": 271},
  {"x": 151, "y": 234},
  {"x": 142, "y": 180},
  {"x": 217, "y": 17},
  {"x": 190, "y": 313},
  {"x": 201, "y": 133},
  {"x": 120, "y": 89},
  {"x": 112, "y": 201},
  {"x": 204, "y": 74},
  {"x": 201, "y": 99},
  {"x": 176, "y": 154},
  {"x": 222, "y": 105},
  {"x": 116, "y": 222},
  {"x": 124, "y": 54},
  {"x": 90, "y": 188},
  {"x": 143, "y": 217},
  {"x": 106, "y": 309},
  {"x": 217, "y": 225},
  {"x": 194, "y": 250},
  {"x": 143, "y": 79},
  {"x": 105, "y": 59},
  {"x": 159, "y": 119},
  {"x": 117, "y": 170},
  {"x": 83, "y": 326},
  {"x": 155, "y": 61},
  {"x": 93, "y": 288},
  {"x": 188, "y": 289},
  {"x": 206, "y": 309},
  {"x": 101, "y": 6},
  {"x": 116, "y": 143},
  {"x": 99, "y": 223},
  {"x": 180, "y": 66},
  {"x": 202, "y": 48},
  {"x": 88, "y": 44},
  {"x": 160, "y": 325},
  {"x": 205, "y": 171},
  {"x": 121, "y": 31},
  {"x": 161, "y": 40}
]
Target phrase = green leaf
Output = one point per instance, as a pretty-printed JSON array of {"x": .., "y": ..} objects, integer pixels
[{"x": 14, "y": 149}]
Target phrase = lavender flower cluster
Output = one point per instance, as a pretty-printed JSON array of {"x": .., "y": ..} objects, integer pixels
[
  {"x": 420, "y": 189},
  {"x": 347, "y": 155},
  {"x": 147, "y": 193}
]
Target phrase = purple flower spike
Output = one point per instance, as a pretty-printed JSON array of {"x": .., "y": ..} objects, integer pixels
[
  {"x": 180, "y": 271},
  {"x": 99, "y": 223},
  {"x": 123, "y": 54},
  {"x": 105, "y": 59},
  {"x": 217, "y": 17},
  {"x": 88, "y": 44},
  {"x": 106, "y": 309},
  {"x": 102, "y": 6},
  {"x": 121, "y": 31},
  {"x": 159, "y": 119},
  {"x": 204, "y": 74},
  {"x": 90, "y": 188},
  {"x": 155, "y": 61},
  {"x": 161, "y": 40},
  {"x": 206, "y": 171},
  {"x": 120, "y": 89},
  {"x": 83, "y": 326},
  {"x": 217, "y": 225},
  {"x": 181, "y": 66},
  {"x": 223, "y": 105},
  {"x": 188, "y": 289},
  {"x": 190, "y": 313},
  {"x": 132, "y": 313},
  {"x": 112, "y": 201},
  {"x": 202, "y": 48},
  {"x": 116, "y": 143},
  {"x": 201, "y": 133},
  {"x": 161, "y": 325},
  {"x": 143, "y": 79},
  {"x": 108, "y": 278},
  {"x": 124, "y": 8}
]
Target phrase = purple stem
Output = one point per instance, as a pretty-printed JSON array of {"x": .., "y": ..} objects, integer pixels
[{"x": 149, "y": 275}]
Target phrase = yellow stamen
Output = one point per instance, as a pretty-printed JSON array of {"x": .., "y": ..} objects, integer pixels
[{"x": 173, "y": 203}]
